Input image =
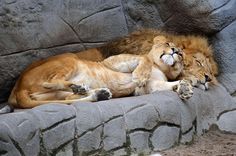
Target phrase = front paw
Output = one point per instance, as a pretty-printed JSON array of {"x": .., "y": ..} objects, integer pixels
[
  {"x": 79, "y": 89},
  {"x": 184, "y": 89}
]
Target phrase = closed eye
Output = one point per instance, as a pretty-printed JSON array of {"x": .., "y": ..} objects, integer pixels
[{"x": 199, "y": 63}]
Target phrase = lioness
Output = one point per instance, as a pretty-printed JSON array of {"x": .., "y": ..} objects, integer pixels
[
  {"x": 199, "y": 65},
  {"x": 66, "y": 78}
]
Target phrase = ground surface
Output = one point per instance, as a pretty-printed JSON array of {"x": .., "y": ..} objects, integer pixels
[{"x": 213, "y": 143}]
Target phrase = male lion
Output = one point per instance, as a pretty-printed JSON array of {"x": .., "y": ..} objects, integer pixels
[
  {"x": 66, "y": 78},
  {"x": 199, "y": 65}
]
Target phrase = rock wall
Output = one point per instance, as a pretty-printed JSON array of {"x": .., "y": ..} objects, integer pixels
[{"x": 116, "y": 127}]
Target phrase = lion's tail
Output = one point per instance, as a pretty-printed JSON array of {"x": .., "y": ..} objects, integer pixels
[
  {"x": 6, "y": 109},
  {"x": 25, "y": 101}
]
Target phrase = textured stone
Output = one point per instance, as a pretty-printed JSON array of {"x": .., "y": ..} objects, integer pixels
[
  {"x": 209, "y": 104},
  {"x": 51, "y": 115},
  {"x": 228, "y": 81},
  {"x": 120, "y": 152},
  {"x": 18, "y": 134},
  {"x": 188, "y": 114},
  {"x": 109, "y": 110},
  {"x": 114, "y": 134},
  {"x": 144, "y": 117},
  {"x": 196, "y": 16},
  {"x": 88, "y": 117},
  {"x": 224, "y": 48},
  {"x": 139, "y": 141},
  {"x": 90, "y": 141},
  {"x": 227, "y": 122},
  {"x": 66, "y": 150},
  {"x": 165, "y": 137},
  {"x": 168, "y": 108},
  {"x": 141, "y": 14},
  {"x": 188, "y": 137},
  {"x": 56, "y": 136}
]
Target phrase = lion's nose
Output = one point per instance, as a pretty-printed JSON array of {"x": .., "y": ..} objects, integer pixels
[{"x": 207, "y": 78}]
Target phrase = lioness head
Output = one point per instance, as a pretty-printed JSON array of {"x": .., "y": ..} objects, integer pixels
[
  {"x": 200, "y": 70},
  {"x": 167, "y": 57}
]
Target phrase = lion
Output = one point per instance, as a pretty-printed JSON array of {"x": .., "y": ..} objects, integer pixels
[
  {"x": 66, "y": 79},
  {"x": 199, "y": 65}
]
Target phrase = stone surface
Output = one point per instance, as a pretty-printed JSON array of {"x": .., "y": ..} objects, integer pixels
[
  {"x": 227, "y": 122},
  {"x": 224, "y": 48},
  {"x": 90, "y": 141},
  {"x": 66, "y": 150},
  {"x": 228, "y": 80},
  {"x": 188, "y": 137},
  {"x": 194, "y": 16},
  {"x": 209, "y": 104},
  {"x": 19, "y": 132},
  {"x": 165, "y": 137},
  {"x": 126, "y": 125},
  {"x": 139, "y": 141},
  {"x": 114, "y": 134}
]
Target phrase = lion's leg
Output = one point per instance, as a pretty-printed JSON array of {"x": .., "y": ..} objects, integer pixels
[
  {"x": 66, "y": 86},
  {"x": 183, "y": 88},
  {"x": 93, "y": 95},
  {"x": 139, "y": 66}
]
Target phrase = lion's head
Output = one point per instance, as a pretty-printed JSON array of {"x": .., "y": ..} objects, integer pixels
[
  {"x": 167, "y": 57},
  {"x": 200, "y": 70}
]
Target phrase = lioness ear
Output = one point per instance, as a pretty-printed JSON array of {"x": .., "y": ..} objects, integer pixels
[{"x": 159, "y": 40}]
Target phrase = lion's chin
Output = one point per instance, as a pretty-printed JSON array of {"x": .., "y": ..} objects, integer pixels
[{"x": 204, "y": 86}]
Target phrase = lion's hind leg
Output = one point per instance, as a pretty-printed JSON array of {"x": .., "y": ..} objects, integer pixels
[{"x": 92, "y": 95}]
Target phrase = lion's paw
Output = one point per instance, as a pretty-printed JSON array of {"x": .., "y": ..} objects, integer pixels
[
  {"x": 103, "y": 94},
  {"x": 79, "y": 89},
  {"x": 184, "y": 89}
]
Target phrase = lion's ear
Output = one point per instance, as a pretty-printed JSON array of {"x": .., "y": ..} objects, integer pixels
[{"x": 159, "y": 40}]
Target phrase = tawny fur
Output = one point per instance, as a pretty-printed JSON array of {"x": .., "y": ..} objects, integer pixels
[
  {"x": 140, "y": 42},
  {"x": 51, "y": 80}
]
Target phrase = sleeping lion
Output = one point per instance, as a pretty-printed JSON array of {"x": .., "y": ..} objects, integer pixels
[
  {"x": 199, "y": 65},
  {"x": 65, "y": 78}
]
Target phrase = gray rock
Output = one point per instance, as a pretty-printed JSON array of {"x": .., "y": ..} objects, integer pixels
[
  {"x": 188, "y": 114},
  {"x": 88, "y": 117},
  {"x": 228, "y": 80},
  {"x": 210, "y": 104},
  {"x": 145, "y": 117},
  {"x": 51, "y": 115},
  {"x": 19, "y": 133},
  {"x": 141, "y": 14},
  {"x": 120, "y": 152},
  {"x": 188, "y": 137},
  {"x": 114, "y": 134},
  {"x": 165, "y": 137},
  {"x": 54, "y": 137},
  {"x": 196, "y": 16},
  {"x": 168, "y": 108},
  {"x": 224, "y": 48},
  {"x": 227, "y": 122},
  {"x": 139, "y": 142},
  {"x": 90, "y": 141},
  {"x": 109, "y": 110},
  {"x": 66, "y": 150}
]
